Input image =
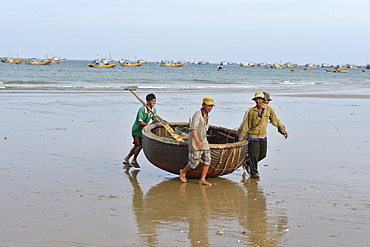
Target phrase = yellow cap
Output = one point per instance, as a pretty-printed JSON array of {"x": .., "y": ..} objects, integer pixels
[{"x": 208, "y": 101}]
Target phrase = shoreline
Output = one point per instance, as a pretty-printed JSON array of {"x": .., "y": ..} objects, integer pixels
[
  {"x": 328, "y": 96},
  {"x": 363, "y": 93}
]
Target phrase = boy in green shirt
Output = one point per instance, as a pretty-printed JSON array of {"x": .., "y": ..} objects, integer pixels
[{"x": 143, "y": 117}]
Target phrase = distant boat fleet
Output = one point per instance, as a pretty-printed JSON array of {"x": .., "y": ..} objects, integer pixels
[
  {"x": 223, "y": 65},
  {"x": 32, "y": 61}
]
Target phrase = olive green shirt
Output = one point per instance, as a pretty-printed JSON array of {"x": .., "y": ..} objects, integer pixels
[{"x": 256, "y": 127}]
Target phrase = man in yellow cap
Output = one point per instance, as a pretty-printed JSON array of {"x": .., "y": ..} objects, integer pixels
[
  {"x": 255, "y": 126},
  {"x": 199, "y": 151}
]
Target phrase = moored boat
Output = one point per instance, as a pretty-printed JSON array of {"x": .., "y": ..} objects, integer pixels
[
  {"x": 295, "y": 70},
  {"x": 102, "y": 63},
  {"x": 55, "y": 60},
  {"x": 36, "y": 61},
  {"x": 11, "y": 60},
  {"x": 248, "y": 64},
  {"x": 341, "y": 70},
  {"x": 351, "y": 66},
  {"x": 165, "y": 63},
  {"x": 201, "y": 63},
  {"x": 311, "y": 65},
  {"x": 221, "y": 67},
  {"x": 278, "y": 66},
  {"x": 226, "y": 63},
  {"x": 163, "y": 151},
  {"x": 291, "y": 65},
  {"x": 326, "y": 65},
  {"x": 128, "y": 63}
]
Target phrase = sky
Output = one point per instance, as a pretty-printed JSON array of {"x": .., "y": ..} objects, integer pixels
[{"x": 315, "y": 31}]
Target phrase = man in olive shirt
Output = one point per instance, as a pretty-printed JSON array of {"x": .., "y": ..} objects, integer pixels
[{"x": 255, "y": 125}]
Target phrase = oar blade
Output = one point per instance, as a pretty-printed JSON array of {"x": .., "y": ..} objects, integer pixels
[{"x": 172, "y": 132}]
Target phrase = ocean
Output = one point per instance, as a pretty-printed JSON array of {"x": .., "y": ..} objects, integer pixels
[{"x": 75, "y": 75}]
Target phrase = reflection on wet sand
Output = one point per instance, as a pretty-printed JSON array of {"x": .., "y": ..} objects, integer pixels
[
  {"x": 261, "y": 229},
  {"x": 226, "y": 213}
]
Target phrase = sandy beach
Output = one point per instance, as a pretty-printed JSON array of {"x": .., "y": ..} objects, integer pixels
[{"x": 63, "y": 183}]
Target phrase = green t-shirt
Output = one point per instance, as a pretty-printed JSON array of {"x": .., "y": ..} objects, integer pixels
[{"x": 142, "y": 115}]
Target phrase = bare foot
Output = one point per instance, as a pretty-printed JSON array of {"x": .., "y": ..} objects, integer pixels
[
  {"x": 204, "y": 182},
  {"x": 183, "y": 176}
]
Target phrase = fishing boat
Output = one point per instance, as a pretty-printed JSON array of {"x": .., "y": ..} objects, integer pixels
[
  {"x": 36, "y": 61},
  {"x": 326, "y": 65},
  {"x": 222, "y": 68},
  {"x": 311, "y": 65},
  {"x": 172, "y": 65},
  {"x": 307, "y": 68},
  {"x": 165, "y": 63},
  {"x": 278, "y": 66},
  {"x": 226, "y": 63},
  {"x": 351, "y": 66},
  {"x": 128, "y": 63},
  {"x": 365, "y": 70},
  {"x": 295, "y": 70},
  {"x": 163, "y": 151},
  {"x": 291, "y": 65},
  {"x": 341, "y": 70},
  {"x": 201, "y": 63},
  {"x": 55, "y": 60},
  {"x": 248, "y": 64},
  {"x": 11, "y": 60},
  {"x": 102, "y": 63}
]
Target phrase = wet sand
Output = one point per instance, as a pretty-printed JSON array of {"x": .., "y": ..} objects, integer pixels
[{"x": 62, "y": 182}]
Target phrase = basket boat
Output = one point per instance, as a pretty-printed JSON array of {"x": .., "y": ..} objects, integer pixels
[{"x": 163, "y": 151}]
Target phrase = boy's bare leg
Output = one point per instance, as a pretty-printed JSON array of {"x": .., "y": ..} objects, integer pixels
[
  {"x": 127, "y": 158},
  {"x": 136, "y": 154}
]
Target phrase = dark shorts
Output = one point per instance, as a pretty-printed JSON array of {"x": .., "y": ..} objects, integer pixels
[{"x": 138, "y": 140}]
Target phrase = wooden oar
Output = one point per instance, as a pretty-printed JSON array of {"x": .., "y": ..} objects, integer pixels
[{"x": 164, "y": 124}]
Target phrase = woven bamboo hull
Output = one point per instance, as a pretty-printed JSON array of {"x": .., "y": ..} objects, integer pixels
[{"x": 166, "y": 153}]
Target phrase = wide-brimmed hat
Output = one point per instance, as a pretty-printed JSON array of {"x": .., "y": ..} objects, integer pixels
[
  {"x": 258, "y": 95},
  {"x": 267, "y": 96},
  {"x": 208, "y": 101}
]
